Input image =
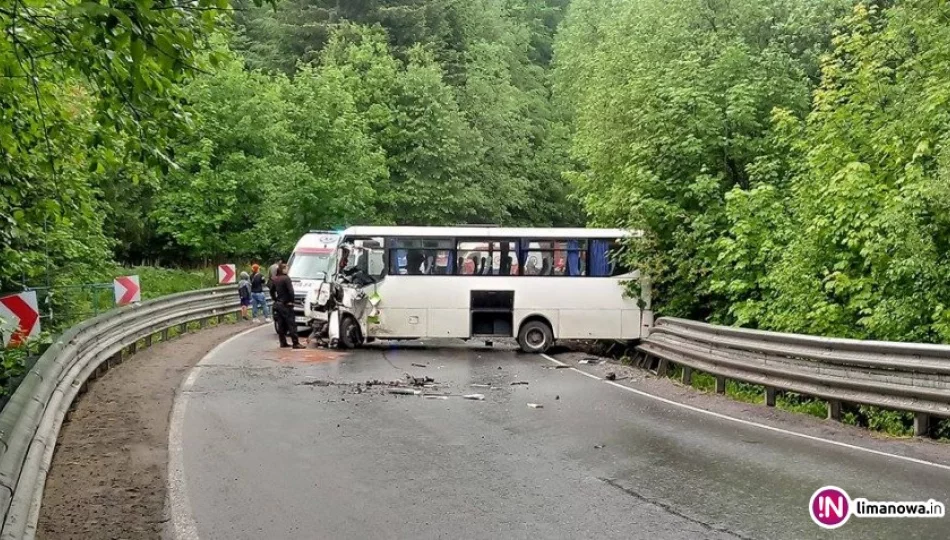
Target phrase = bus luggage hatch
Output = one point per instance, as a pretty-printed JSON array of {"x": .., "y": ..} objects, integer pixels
[{"x": 492, "y": 313}]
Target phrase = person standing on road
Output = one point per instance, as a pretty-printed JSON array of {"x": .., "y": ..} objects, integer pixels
[
  {"x": 258, "y": 300},
  {"x": 282, "y": 292},
  {"x": 272, "y": 271},
  {"x": 244, "y": 293}
]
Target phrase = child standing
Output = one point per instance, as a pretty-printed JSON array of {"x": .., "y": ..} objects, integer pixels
[{"x": 244, "y": 292}]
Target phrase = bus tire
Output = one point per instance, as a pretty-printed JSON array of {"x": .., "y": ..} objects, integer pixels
[
  {"x": 535, "y": 337},
  {"x": 349, "y": 333}
]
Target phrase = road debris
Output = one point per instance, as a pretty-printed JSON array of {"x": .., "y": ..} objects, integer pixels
[
  {"x": 419, "y": 381},
  {"x": 611, "y": 376},
  {"x": 318, "y": 382},
  {"x": 474, "y": 397},
  {"x": 559, "y": 366},
  {"x": 479, "y": 385},
  {"x": 591, "y": 361},
  {"x": 535, "y": 405},
  {"x": 405, "y": 391},
  {"x": 436, "y": 397},
  {"x": 519, "y": 383},
  {"x": 557, "y": 398},
  {"x": 377, "y": 382},
  {"x": 598, "y": 446},
  {"x": 418, "y": 365}
]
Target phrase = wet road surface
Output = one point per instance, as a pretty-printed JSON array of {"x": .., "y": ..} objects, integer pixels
[{"x": 260, "y": 448}]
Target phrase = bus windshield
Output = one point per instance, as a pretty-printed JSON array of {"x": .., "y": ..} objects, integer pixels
[{"x": 310, "y": 265}]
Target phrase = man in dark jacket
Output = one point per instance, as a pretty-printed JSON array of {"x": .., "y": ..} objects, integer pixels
[{"x": 282, "y": 292}]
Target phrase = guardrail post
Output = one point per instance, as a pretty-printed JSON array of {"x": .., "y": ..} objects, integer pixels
[
  {"x": 641, "y": 360},
  {"x": 921, "y": 424},
  {"x": 148, "y": 341},
  {"x": 834, "y": 410},
  {"x": 687, "y": 375},
  {"x": 770, "y": 396},
  {"x": 662, "y": 366},
  {"x": 720, "y": 384},
  {"x": 204, "y": 323},
  {"x": 220, "y": 319},
  {"x": 164, "y": 335},
  {"x": 182, "y": 329},
  {"x": 134, "y": 347}
]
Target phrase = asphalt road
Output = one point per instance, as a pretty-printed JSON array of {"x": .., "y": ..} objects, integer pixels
[{"x": 260, "y": 449}]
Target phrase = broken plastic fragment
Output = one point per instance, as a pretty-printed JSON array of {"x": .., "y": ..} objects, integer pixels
[
  {"x": 475, "y": 397},
  {"x": 437, "y": 397},
  {"x": 477, "y": 385},
  {"x": 535, "y": 405},
  {"x": 405, "y": 391},
  {"x": 519, "y": 383}
]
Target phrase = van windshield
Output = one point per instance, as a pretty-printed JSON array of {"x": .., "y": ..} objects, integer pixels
[{"x": 310, "y": 265}]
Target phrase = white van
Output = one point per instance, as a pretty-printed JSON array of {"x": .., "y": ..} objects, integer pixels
[{"x": 312, "y": 260}]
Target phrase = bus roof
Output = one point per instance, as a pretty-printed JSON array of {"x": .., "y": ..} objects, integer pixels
[{"x": 488, "y": 232}]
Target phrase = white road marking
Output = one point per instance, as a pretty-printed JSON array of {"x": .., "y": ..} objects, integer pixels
[
  {"x": 183, "y": 522},
  {"x": 584, "y": 373},
  {"x": 756, "y": 424}
]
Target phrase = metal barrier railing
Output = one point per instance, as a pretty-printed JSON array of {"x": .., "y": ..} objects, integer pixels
[
  {"x": 901, "y": 376},
  {"x": 30, "y": 422}
]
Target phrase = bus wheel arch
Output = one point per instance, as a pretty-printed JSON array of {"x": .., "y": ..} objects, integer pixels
[{"x": 535, "y": 335}]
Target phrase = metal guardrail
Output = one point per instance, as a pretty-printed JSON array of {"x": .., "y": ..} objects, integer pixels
[
  {"x": 901, "y": 376},
  {"x": 31, "y": 420}
]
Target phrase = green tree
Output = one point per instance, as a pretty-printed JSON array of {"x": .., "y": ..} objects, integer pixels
[
  {"x": 269, "y": 158},
  {"x": 85, "y": 87},
  {"x": 501, "y": 144},
  {"x": 867, "y": 228},
  {"x": 672, "y": 102}
]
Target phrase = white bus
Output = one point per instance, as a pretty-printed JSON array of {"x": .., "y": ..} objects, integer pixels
[{"x": 536, "y": 285}]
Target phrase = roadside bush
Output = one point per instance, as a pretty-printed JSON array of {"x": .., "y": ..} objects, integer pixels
[{"x": 75, "y": 297}]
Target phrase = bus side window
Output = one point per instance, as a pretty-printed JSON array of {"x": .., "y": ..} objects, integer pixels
[
  {"x": 600, "y": 264},
  {"x": 475, "y": 256},
  {"x": 420, "y": 256},
  {"x": 607, "y": 259}
]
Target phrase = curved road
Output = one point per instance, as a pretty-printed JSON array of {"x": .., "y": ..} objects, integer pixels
[{"x": 276, "y": 444}]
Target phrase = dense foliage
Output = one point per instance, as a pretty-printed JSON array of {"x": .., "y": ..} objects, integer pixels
[
  {"x": 180, "y": 133},
  {"x": 786, "y": 159},
  {"x": 672, "y": 102}
]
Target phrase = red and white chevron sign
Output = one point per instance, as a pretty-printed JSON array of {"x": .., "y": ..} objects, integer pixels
[
  {"x": 127, "y": 290},
  {"x": 21, "y": 318},
  {"x": 226, "y": 273}
]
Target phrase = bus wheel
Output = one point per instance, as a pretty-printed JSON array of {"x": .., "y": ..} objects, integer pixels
[
  {"x": 349, "y": 333},
  {"x": 535, "y": 337}
]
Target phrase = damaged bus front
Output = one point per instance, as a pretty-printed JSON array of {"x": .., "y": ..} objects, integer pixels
[{"x": 342, "y": 306}]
